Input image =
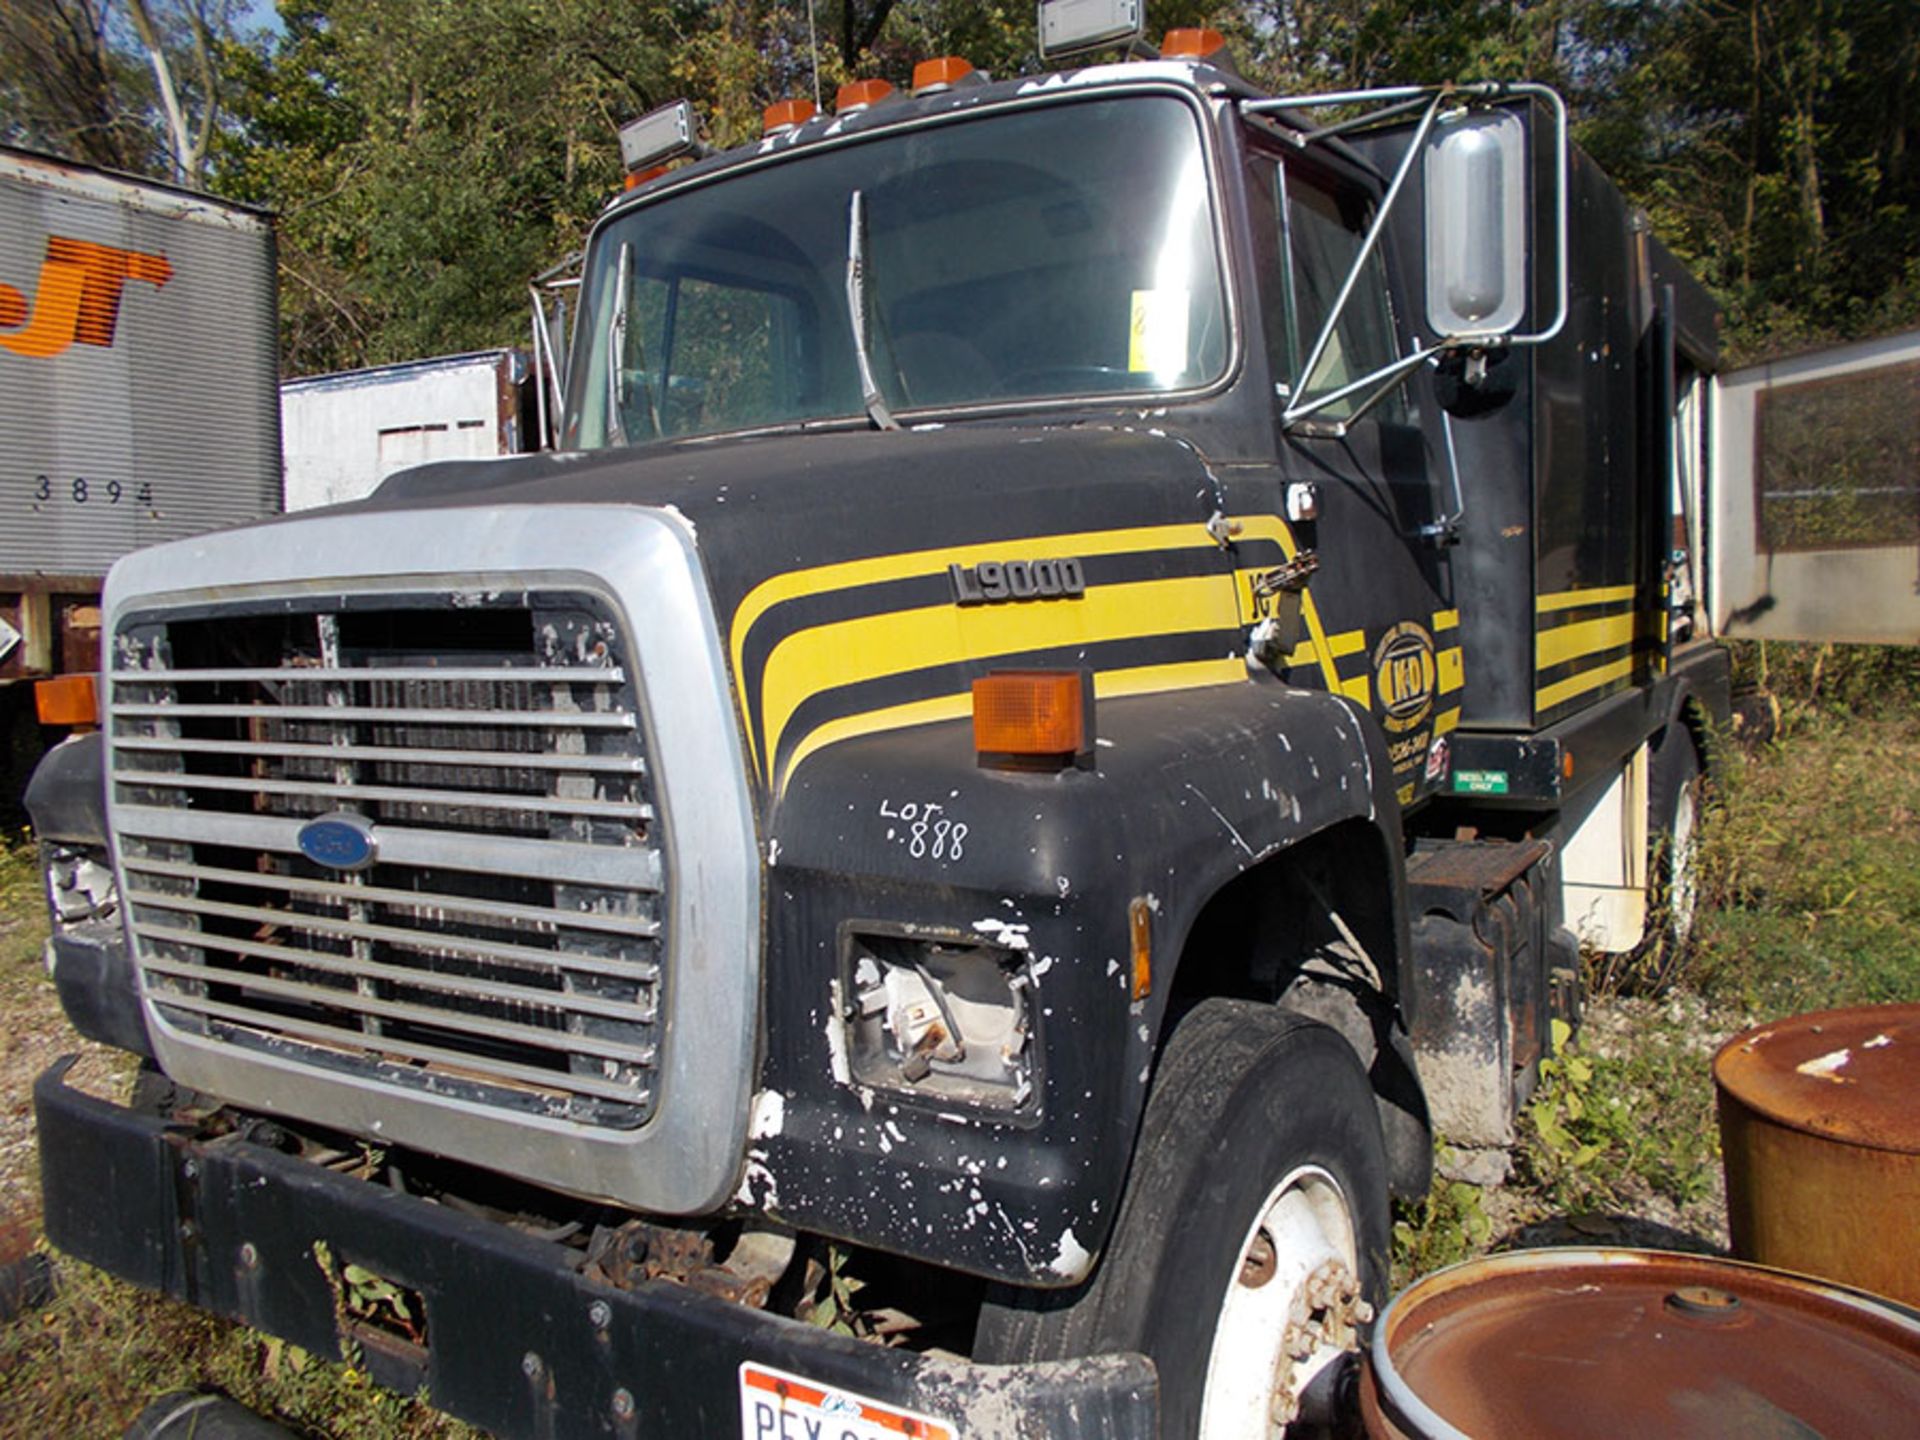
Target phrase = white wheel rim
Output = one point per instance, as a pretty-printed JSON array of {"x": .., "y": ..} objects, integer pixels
[
  {"x": 1683, "y": 888},
  {"x": 1290, "y": 1309}
]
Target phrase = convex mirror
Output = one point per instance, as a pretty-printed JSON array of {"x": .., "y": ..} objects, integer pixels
[{"x": 1476, "y": 223}]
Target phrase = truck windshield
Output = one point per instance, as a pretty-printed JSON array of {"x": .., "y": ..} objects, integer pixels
[{"x": 1061, "y": 250}]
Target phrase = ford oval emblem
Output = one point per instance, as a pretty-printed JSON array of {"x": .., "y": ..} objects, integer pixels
[{"x": 339, "y": 841}]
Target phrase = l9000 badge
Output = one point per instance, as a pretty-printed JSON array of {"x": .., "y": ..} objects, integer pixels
[
  {"x": 339, "y": 841},
  {"x": 995, "y": 580}
]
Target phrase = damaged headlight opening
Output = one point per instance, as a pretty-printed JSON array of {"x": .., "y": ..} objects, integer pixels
[{"x": 946, "y": 1018}]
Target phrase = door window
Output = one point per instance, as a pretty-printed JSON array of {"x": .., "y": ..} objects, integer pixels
[{"x": 1320, "y": 233}]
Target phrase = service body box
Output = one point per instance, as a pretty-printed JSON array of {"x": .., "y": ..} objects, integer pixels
[{"x": 138, "y": 362}]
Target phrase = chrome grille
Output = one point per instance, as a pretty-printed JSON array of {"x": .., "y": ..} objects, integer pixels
[{"x": 505, "y": 944}]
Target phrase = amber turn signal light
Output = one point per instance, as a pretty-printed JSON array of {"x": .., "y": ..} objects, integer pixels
[
  {"x": 1032, "y": 715},
  {"x": 1140, "y": 927},
  {"x": 68, "y": 700}
]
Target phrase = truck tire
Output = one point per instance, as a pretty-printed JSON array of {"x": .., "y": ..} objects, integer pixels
[
  {"x": 1252, "y": 1239},
  {"x": 1673, "y": 866}
]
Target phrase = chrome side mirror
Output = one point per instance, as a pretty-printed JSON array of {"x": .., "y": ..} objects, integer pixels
[{"x": 1476, "y": 224}]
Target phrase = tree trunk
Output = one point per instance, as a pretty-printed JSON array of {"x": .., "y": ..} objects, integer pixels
[{"x": 179, "y": 142}]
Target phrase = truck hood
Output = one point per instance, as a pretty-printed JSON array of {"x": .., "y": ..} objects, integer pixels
[
  {"x": 766, "y": 506},
  {"x": 838, "y": 565}
]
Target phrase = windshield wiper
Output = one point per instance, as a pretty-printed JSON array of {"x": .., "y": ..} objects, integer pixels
[
  {"x": 616, "y": 347},
  {"x": 876, "y": 403},
  {"x": 616, "y": 353}
]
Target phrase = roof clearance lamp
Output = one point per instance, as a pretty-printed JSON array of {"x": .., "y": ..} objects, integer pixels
[
  {"x": 858, "y": 95},
  {"x": 784, "y": 116}
]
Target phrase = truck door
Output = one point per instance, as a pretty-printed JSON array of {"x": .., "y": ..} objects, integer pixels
[
  {"x": 1359, "y": 485},
  {"x": 1814, "y": 496}
]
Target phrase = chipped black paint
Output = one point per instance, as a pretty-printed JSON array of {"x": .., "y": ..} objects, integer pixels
[{"x": 1050, "y": 867}]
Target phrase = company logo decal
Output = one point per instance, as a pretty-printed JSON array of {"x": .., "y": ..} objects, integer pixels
[
  {"x": 78, "y": 298},
  {"x": 994, "y": 580},
  {"x": 339, "y": 842},
  {"x": 1405, "y": 674}
]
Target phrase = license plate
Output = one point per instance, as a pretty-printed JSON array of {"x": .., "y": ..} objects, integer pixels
[{"x": 775, "y": 1405}]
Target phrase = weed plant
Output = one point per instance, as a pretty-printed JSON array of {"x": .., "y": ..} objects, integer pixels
[
  {"x": 22, "y": 911},
  {"x": 102, "y": 1350},
  {"x": 1810, "y": 899}
]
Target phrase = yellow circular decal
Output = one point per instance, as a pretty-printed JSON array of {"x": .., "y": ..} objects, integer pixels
[{"x": 1404, "y": 675}]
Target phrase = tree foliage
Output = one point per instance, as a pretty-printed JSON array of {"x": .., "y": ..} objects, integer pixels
[
  {"x": 1771, "y": 141},
  {"x": 133, "y": 86},
  {"x": 426, "y": 157},
  {"x": 66, "y": 87}
]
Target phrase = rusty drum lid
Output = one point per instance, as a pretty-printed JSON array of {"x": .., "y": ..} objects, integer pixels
[
  {"x": 1604, "y": 1343},
  {"x": 1846, "y": 1075}
]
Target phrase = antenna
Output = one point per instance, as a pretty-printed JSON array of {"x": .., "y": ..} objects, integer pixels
[{"x": 813, "y": 47}]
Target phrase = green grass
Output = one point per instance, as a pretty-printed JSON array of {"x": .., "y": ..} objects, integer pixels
[
  {"x": 89, "y": 1362},
  {"x": 23, "y": 926},
  {"x": 1813, "y": 865}
]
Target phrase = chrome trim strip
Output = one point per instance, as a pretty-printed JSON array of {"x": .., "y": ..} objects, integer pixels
[
  {"x": 686, "y": 1159},
  {"x": 485, "y": 674},
  {"x": 528, "y": 1076},
  {"x": 619, "y": 765},
  {"x": 443, "y": 799},
  {"x": 385, "y": 895},
  {"x": 385, "y": 715},
  {"x": 564, "y": 1042},
  {"x": 418, "y": 979},
  {"x": 486, "y": 854},
  {"x": 431, "y": 941}
]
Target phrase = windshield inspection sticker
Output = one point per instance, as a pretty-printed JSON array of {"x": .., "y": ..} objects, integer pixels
[
  {"x": 1157, "y": 332},
  {"x": 775, "y": 1405}
]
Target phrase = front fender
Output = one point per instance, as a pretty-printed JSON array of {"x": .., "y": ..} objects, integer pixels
[
  {"x": 905, "y": 830},
  {"x": 1186, "y": 790}
]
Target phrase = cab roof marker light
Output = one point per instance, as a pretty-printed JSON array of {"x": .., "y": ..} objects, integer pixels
[
  {"x": 1073, "y": 27},
  {"x": 933, "y": 77},
  {"x": 1196, "y": 44},
  {"x": 1199, "y": 47},
  {"x": 658, "y": 136},
  {"x": 785, "y": 116},
  {"x": 858, "y": 95}
]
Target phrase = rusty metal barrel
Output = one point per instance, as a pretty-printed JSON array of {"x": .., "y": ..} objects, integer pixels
[
  {"x": 1820, "y": 1134},
  {"x": 1603, "y": 1343}
]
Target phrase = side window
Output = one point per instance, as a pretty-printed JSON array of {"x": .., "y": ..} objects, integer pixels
[{"x": 1319, "y": 237}]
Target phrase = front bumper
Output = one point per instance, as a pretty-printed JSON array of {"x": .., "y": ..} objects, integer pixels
[{"x": 516, "y": 1341}]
